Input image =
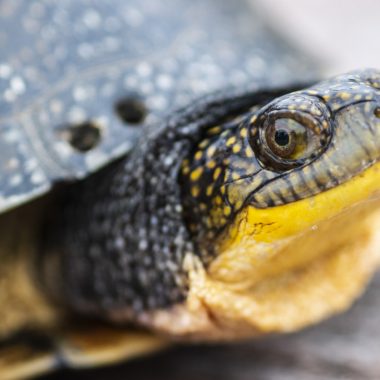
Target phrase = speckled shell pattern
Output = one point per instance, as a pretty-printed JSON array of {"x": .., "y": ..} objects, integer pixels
[{"x": 67, "y": 62}]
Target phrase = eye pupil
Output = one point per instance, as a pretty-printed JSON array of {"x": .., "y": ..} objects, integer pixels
[{"x": 281, "y": 137}]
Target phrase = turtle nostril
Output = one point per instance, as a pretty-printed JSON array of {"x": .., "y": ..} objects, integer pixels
[{"x": 377, "y": 112}]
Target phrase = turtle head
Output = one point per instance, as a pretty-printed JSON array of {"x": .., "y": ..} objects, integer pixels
[{"x": 284, "y": 203}]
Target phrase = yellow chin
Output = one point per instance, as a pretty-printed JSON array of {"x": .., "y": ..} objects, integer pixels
[{"x": 283, "y": 268}]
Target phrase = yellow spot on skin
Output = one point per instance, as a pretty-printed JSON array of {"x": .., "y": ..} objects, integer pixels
[
  {"x": 216, "y": 173},
  {"x": 204, "y": 143},
  {"x": 198, "y": 155},
  {"x": 231, "y": 141},
  {"x": 218, "y": 200},
  {"x": 345, "y": 95},
  {"x": 304, "y": 107},
  {"x": 214, "y": 130},
  {"x": 315, "y": 111},
  {"x": 203, "y": 207},
  {"x": 243, "y": 132},
  {"x": 291, "y": 106},
  {"x": 195, "y": 174},
  {"x": 326, "y": 98},
  {"x": 235, "y": 176},
  {"x": 209, "y": 190},
  {"x": 236, "y": 148},
  {"x": 195, "y": 191},
  {"x": 358, "y": 97},
  {"x": 227, "y": 210},
  {"x": 211, "y": 164},
  {"x": 248, "y": 152},
  {"x": 185, "y": 167},
  {"x": 223, "y": 190},
  {"x": 210, "y": 151},
  {"x": 253, "y": 118},
  {"x": 312, "y": 92}
]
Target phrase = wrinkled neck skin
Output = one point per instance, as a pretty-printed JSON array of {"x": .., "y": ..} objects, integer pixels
[{"x": 205, "y": 232}]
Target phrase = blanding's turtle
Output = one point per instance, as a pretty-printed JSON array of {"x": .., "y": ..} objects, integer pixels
[{"x": 199, "y": 183}]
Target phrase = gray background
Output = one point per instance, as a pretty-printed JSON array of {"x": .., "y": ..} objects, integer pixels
[{"x": 345, "y": 33}]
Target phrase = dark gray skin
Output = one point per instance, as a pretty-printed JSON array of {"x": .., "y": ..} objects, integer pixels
[{"x": 124, "y": 233}]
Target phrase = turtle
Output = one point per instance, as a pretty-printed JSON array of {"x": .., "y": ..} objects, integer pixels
[{"x": 167, "y": 178}]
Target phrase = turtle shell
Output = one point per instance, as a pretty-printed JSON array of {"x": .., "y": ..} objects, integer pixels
[{"x": 80, "y": 82}]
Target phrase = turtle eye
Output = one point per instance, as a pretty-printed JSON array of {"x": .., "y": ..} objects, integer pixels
[{"x": 284, "y": 140}]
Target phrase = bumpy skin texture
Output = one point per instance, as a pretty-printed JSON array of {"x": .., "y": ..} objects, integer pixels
[{"x": 126, "y": 231}]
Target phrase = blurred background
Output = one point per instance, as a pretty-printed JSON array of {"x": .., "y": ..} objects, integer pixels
[{"x": 343, "y": 34}]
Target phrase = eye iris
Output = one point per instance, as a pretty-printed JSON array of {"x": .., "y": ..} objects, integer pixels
[
  {"x": 281, "y": 137},
  {"x": 286, "y": 138}
]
